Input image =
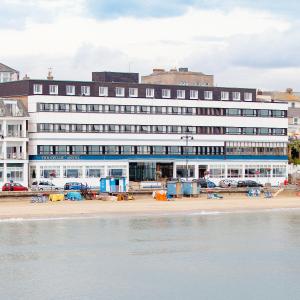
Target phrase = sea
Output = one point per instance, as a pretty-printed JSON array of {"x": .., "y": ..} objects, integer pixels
[{"x": 249, "y": 255}]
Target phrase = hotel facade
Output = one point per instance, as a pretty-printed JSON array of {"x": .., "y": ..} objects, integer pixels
[{"x": 113, "y": 126}]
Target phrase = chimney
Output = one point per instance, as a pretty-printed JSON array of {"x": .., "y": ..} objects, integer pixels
[
  {"x": 26, "y": 77},
  {"x": 50, "y": 76},
  {"x": 289, "y": 91}
]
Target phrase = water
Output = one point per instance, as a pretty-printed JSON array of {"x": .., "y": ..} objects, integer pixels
[{"x": 222, "y": 256}]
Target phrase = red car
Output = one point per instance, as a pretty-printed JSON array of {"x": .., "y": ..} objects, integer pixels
[{"x": 14, "y": 187}]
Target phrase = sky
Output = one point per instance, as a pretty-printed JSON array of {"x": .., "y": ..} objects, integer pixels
[{"x": 243, "y": 43}]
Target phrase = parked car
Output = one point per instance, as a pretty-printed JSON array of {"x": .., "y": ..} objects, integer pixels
[
  {"x": 248, "y": 183},
  {"x": 206, "y": 183},
  {"x": 228, "y": 183},
  {"x": 14, "y": 187},
  {"x": 75, "y": 186},
  {"x": 44, "y": 186}
]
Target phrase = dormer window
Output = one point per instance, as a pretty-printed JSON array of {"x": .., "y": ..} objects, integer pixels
[
  {"x": 103, "y": 91},
  {"x": 180, "y": 94},
  {"x": 247, "y": 96},
  {"x": 208, "y": 95},
  {"x": 133, "y": 92},
  {"x": 38, "y": 89},
  {"x": 70, "y": 90},
  {"x": 224, "y": 96},
  {"x": 120, "y": 92},
  {"x": 236, "y": 96},
  {"x": 193, "y": 94},
  {"x": 166, "y": 93},
  {"x": 53, "y": 89},
  {"x": 85, "y": 90},
  {"x": 149, "y": 93}
]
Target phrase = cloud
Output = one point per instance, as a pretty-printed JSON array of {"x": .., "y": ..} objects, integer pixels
[{"x": 230, "y": 43}]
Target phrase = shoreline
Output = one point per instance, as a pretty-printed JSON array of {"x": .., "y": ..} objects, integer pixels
[{"x": 24, "y": 210}]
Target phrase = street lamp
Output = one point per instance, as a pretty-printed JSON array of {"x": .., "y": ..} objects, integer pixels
[{"x": 186, "y": 138}]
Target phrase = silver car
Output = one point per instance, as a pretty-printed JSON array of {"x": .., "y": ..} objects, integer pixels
[
  {"x": 228, "y": 183},
  {"x": 44, "y": 186}
]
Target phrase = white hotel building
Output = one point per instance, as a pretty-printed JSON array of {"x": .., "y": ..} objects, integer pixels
[{"x": 113, "y": 125}]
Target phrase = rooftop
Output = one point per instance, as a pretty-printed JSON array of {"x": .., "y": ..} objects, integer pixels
[{"x": 4, "y": 68}]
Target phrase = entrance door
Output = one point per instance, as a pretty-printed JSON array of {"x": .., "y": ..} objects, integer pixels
[{"x": 202, "y": 169}]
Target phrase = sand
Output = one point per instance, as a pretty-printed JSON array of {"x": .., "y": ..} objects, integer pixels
[{"x": 11, "y": 208}]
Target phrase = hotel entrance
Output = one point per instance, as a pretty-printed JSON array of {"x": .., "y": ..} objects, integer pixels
[{"x": 149, "y": 171}]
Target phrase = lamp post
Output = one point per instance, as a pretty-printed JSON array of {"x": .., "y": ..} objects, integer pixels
[{"x": 186, "y": 138}]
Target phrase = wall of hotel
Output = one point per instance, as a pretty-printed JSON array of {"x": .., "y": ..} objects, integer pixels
[
  {"x": 48, "y": 138},
  {"x": 147, "y": 119}
]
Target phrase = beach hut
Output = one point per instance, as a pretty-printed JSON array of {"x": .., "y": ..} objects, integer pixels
[{"x": 113, "y": 185}]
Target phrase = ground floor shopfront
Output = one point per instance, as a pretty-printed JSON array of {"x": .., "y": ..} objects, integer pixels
[
  {"x": 89, "y": 170},
  {"x": 15, "y": 171}
]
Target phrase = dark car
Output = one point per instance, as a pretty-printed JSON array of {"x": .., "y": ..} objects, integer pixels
[
  {"x": 206, "y": 183},
  {"x": 248, "y": 183},
  {"x": 75, "y": 186}
]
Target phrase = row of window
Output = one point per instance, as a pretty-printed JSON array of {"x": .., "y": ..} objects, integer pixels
[
  {"x": 128, "y": 150},
  {"x": 79, "y": 171},
  {"x": 157, "y": 129},
  {"x": 172, "y": 110},
  {"x": 157, "y": 150},
  {"x": 103, "y": 91},
  {"x": 248, "y": 171}
]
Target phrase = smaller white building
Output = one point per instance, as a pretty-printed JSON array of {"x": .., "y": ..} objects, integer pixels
[
  {"x": 8, "y": 74},
  {"x": 13, "y": 142}
]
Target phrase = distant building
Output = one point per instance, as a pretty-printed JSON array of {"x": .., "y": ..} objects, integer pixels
[
  {"x": 182, "y": 76},
  {"x": 293, "y": 100},
  {"x": 8, "y": 74}
]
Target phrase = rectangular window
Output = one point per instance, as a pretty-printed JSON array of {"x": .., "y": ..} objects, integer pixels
[
  {"x": 133, "y": 92},
  {"x": 249, "y": 112},
  {"x": 94, "y": 150},
  {"x": 175, "y": 150},
  {"x": 103, "y": 91},
  {"x": 45, "y": 150},
  {"x": 208, "y": 95},
  {"x": 38, "y": 89},
  {"x": 236, "y": 96},
  {"x": 295, "y": 121},
  {"x": 279, "y": 171},
  {"x": 235, "y": 171},
  {"x": 180, "y": 94},
  {"x": 94, "y": 171},
  {"x": 278, "y": 113},
  {"x": 70, "y": 90},
  {"x": 249, "y": 130},
  {"x": 49, "y": 171},
  {"x": 181, "y": 171},
  {"x": 278, "y": 131},
  {"x": 149, "y": 93},
  {"x": 263, "y": 131},
  {"x": 120, "y": 92},
  {"x": 224, "y": 96},
  {"x": 233, "y": 112},
  {"x": 72, "y": 172},
  {"x": 159, "y": 150},
  {"x": 247, "y": 96},
  {"x": 85, "y": 90},
  {"x": 217, "y": 171},
  {"x": 193, "y": 94},
  {"x": 166, "y": 93},
  {"x": 117, "y": 170},
  {"x": 62, "y": 150},
  {"x": 53, "y": 89},
  {"x": 233, "y": 130},
  {"x": 264, "y": 113}
]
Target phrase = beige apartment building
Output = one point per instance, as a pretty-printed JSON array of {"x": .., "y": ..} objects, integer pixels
[
  {"x": 293, "y": 99},
  {"x": 182, "y": 76}
]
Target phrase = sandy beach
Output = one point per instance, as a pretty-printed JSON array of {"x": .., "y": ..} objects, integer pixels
[{"x": 13, "y": 208}]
